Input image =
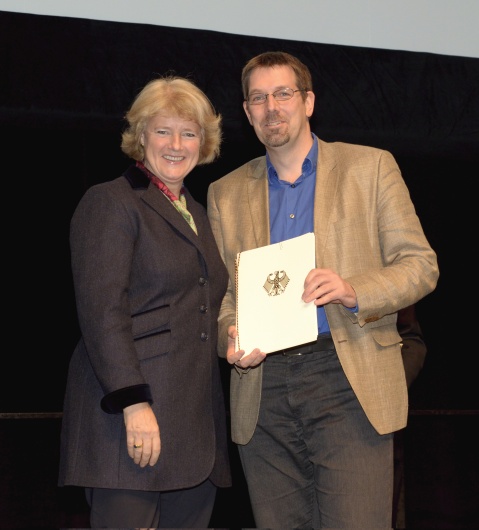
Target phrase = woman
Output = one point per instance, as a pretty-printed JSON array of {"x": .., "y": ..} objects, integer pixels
[{"x": 144, "y": 428}]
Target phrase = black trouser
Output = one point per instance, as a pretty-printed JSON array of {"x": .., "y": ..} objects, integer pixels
[{"x": 187, "y": 508}]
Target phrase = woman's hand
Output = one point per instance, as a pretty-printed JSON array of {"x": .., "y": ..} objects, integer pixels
[{"x": 142, "y": 434}]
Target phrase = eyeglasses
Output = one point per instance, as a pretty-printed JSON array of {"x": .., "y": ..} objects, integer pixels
[{"x": 282, "y": 94}]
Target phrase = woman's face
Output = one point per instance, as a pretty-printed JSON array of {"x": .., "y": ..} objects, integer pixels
[{"x": 172, "y": 148}]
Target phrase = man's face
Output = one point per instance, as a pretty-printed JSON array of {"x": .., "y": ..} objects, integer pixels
[{"x": 277, "y": 123}]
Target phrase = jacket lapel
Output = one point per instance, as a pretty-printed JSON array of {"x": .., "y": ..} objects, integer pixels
[
  {"x": 161, "y": 204},
  {"x": 324, "y": 196},
  {"x": 258, "y": 198}
]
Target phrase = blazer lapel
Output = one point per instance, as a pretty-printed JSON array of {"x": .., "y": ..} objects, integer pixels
[
  {"x": 258, "y": 198},
  {"x": 327, "y": 182},
  {"x": 162, "y": 205}
]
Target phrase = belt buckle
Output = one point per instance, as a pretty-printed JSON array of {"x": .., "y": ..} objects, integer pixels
[{"x": 290, "y": 354}]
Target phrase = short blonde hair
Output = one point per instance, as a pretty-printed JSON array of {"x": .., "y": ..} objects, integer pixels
[{"x": 176, "y": 96}]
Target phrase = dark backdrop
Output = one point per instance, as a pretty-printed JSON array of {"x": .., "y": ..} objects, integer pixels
[{"x": 65, "y": 86}]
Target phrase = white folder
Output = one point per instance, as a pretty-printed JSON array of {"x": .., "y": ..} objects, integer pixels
[{"x": 270, "y": 314}]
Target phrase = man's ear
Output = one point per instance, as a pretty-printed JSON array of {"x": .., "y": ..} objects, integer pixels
[{"x": 309, "y": 103}]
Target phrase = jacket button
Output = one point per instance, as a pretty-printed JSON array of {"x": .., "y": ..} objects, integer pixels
[
  {"x": 203, "y": 308},
  {"x": 204, "y": 337},
  {"x": 202, "y": 281}
]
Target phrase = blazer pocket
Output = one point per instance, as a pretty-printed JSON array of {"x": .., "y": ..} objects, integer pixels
[
  {"x": 386, "y": 335},
  {"x": 151, "y": 332}
]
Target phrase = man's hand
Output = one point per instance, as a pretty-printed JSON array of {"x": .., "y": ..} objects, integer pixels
[
  {"x": 326, "y": 287},
  {"x": 239, "y": 358}
]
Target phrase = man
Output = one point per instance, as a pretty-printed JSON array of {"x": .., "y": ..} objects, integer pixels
[{"x": 314, "y": 424}]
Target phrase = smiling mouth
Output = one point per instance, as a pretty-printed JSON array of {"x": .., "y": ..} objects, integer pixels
[{"x": 172, "y": 158}]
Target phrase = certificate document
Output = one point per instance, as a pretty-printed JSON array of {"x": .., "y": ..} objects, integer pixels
[{"x": 270, "y": 314}]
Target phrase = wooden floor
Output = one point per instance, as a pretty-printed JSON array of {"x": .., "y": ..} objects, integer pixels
[{"x": 441, "y": 476}]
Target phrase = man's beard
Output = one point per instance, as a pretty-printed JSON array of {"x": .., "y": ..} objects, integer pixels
[{"x": 275, "y": 138}]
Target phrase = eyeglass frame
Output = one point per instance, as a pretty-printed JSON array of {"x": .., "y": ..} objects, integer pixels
[{"x": 273, "y": 94}]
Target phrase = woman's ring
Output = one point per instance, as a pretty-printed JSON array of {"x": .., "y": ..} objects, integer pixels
[{"x": 137, "y": 446}]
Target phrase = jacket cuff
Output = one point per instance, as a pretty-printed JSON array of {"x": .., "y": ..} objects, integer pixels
[{"x": 116, "y": 401}]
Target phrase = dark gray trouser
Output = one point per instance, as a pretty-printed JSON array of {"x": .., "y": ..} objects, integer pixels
[{"x": 314, "y": 460}]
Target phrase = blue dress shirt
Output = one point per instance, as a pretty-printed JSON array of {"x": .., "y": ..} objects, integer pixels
[{"x": 291, "y": 208}]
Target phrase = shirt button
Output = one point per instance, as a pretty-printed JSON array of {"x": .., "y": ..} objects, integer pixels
[{"x": 291, "y": 215}]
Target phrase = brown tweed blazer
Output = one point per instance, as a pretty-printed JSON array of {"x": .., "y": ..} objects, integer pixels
[{"x": 368, "y": 232}]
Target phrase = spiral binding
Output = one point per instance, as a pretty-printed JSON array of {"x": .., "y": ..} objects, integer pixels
[{"x": 236, "y": 289}]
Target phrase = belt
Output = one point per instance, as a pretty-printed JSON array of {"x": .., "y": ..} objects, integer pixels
[{"x": 323, "y": 342}]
